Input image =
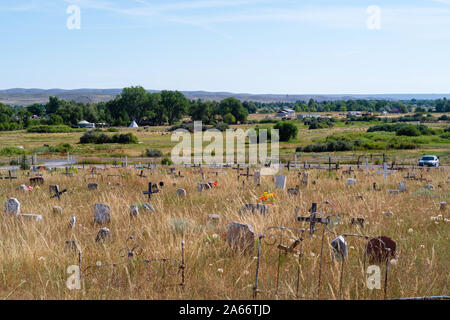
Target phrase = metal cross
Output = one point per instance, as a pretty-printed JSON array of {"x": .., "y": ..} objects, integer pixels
[
  {"x": 245, "y": 175},
  {"x": 313, "y": 219},
  {"x": 150, "y": 191},
  {"x": 329, "y": 163},
  {"x": 9, "y": 177},
  {"x": 57, "y": 192}
]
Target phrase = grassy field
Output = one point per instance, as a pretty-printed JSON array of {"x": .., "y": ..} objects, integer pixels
[
  {"x": 157, "y": 138},
  {"x": 34, "y": 262}
]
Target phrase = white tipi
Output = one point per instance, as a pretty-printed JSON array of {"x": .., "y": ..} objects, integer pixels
[{"x": 133, "y": 125}]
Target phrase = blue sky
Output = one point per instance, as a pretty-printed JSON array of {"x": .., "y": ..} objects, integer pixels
[{"x": 251, "y": 46}]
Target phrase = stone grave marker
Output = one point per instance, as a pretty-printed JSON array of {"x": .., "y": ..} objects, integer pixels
[
  {"x": 240, "y": 236},
  {"x": 102, "y": 213},
  {"x": 72, "y": 222},
  {"x": 280, "y": 181},
  {"x": 381, "y": 249},
  {"x": 351, "y": 182},
  {"x": 57, "y": 210},
  {"x": 257, "y": 177},
  {"x": 31, "y": 217},
  {"x": 92, "y": 186},
  {"x": 103, "y": 235},
  {"x": 402, "y": 186},
  {"x": 181, "y": 192},
  {"x": 134, "y": 211},
  {"x": 12, "y": 207}
]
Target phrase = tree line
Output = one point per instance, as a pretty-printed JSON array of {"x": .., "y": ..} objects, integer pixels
[{"x": 170, "y": 107}]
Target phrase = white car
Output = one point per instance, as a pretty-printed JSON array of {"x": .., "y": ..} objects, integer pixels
[{"x": 429, "y": 161}]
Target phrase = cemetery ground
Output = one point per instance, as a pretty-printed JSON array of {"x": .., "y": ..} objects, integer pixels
[{"x": 34, "y": 257}]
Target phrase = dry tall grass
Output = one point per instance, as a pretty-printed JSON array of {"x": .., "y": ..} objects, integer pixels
[{"x": 33, "y": 260}]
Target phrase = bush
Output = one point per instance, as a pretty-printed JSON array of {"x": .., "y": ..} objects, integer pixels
[
  {"x": 50, "y": 129},
  {"x": 408, "y": 130},
  {"x": 153, "y": 153},
  {"x": 221, "y": 126},
  {"x": 287, "y": 130},
  {"x": 166, "y": 161},
  {"x": 112, "y": 130},
  {"x": 11, "y": 151},
  {"x": 330, "y": 146},
  {"x": 101, "y": 138}
]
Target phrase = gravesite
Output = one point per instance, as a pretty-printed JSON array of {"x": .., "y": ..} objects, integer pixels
[{"x": 196, "y": 196}]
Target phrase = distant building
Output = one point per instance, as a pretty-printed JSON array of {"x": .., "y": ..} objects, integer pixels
[
  {"x": 308, "y": 115},
  {"x": 85, "y": 124},
  {"x": 286, "y": 114},
  {"x": 353, "y": 113}
]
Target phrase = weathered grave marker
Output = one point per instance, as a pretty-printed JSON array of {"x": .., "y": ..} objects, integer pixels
[
  {"x": 103, "y": 235},
  {"x": 280, "y": 181},
  {"x": 57, "y": 210},
  {"x": 12, "y": 207},
  {"x": 240, "y": 236},
  {"x": 102, "y": 213}
]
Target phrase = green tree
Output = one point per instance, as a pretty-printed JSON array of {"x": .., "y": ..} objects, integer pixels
[
  {"x": 287, "y": 130},
  {"x": 175, "y": 104}
]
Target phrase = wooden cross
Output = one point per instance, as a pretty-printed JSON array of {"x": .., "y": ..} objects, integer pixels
[
  {"x": 313, "y": 219},
  {"x": 57, "y": 192},
  {"x": 246, "y": 175},
  {"x": 150, "y": 191}
]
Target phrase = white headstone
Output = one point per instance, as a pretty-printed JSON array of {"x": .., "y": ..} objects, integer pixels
[
  {"x": 280, "y": 181},
  {"x": 181, "y": 192},
  {"x": 351, "y": 181},
  {"x": 402, "y": 186},
  {"x": 12, "y": 207},
  {"x": 102, "y": 213}
]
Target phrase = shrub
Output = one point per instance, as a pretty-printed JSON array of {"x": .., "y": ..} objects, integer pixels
[
  {"x": 408, "y": 130},
  {"x": 166, "y": 161},
  {"x": 50, "y": 129},
  {"x": 112, "y": 130},
  {"x": 221, "y": 126},
  {"x": 287, "y": 130},
  {"x": 153, "y": 153},
  {"x": 11, "y": 151},
  {"x": 101, "y": 138}
]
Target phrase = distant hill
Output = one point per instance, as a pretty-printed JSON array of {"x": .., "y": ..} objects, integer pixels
[{"x": 29, "y": 96}]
